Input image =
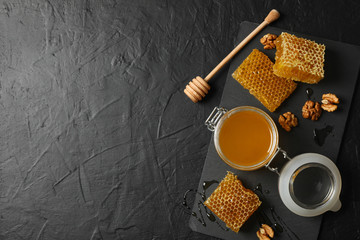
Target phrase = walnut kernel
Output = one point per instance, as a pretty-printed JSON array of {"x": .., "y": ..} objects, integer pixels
[
  {"x": 269, "y": 231},
  {"x": 265, "y": 232},
  {"x": 311, "y": 110},
  {"x": 329, "y": 102},
  {"x": 288, "y": 120},
  {"x": 268, "y": 41}
]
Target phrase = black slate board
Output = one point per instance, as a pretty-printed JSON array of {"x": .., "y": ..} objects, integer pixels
[{"x": 341, "y": 72}]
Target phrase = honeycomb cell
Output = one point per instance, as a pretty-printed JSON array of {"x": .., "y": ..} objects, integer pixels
[
  {"x": 230, "y": 208},
  {"x": 256, "y": 74},
  {"x": 299, "y": 59}
]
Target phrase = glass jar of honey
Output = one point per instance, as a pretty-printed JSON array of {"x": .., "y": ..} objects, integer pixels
[{"x": 245, "y": 137}]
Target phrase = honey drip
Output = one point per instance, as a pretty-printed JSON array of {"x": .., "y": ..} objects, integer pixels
[
  {"x": 274, "y": 221},
  {"x": 201, "y": 207}
]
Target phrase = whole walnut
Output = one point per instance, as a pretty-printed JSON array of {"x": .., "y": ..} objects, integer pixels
[{"x": 311, "y": 110}]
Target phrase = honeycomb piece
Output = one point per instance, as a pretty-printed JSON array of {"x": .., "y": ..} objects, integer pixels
[
  {"x": 232, "y": 202},
  {"x": 256, "y": 75},
  {"x": 299, "y": 59}
]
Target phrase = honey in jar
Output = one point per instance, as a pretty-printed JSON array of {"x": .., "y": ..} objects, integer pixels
[{"x": 247, "y": 138}]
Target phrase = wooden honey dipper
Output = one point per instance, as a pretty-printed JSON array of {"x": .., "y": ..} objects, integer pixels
[{"x": 198, "y": 87}]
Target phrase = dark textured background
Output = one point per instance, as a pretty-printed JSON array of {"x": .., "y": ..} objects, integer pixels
[{"x": 98, "y": 141}]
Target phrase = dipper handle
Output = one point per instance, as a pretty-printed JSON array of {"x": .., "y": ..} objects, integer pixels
[
  {"x": 194, "y": 89},
  {"x": 272, "y": 16}
]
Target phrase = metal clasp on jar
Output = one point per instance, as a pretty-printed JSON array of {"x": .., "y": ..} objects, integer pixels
[
  {"x": 275, "y": 169},
  {"x": 215, "y": 117}
]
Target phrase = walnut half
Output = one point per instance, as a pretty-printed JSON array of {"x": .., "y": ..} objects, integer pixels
[
  {"x": 265, "y": 232},
  {"x": 329, "y": 102},
  {"x": 288, "y": 120}
]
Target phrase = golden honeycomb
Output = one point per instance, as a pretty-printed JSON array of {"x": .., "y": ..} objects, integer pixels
[
  {"x": 256, "y": 74},
  {"x": 232, "y": 202},
  {"x": 299, "y": 59}
]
